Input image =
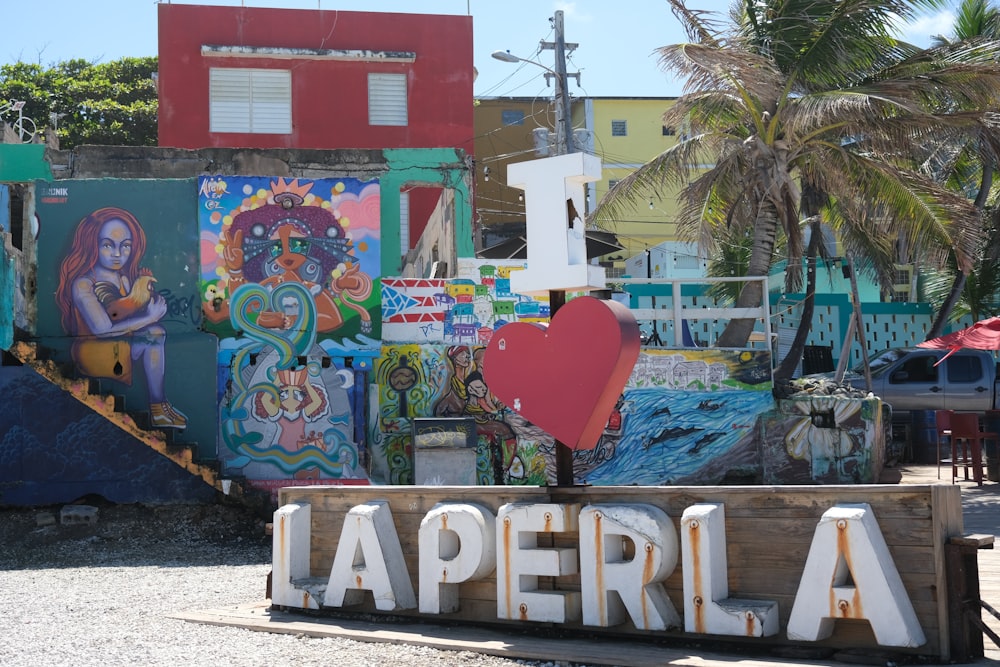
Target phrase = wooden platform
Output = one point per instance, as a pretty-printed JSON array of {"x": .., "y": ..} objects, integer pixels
[{"x": 490, "y": 642}]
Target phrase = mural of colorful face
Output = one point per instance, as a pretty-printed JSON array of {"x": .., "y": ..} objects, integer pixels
[{"x": 280, "y": 239}]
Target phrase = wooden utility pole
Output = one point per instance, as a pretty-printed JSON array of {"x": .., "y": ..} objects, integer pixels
[
  {"x": 564, "y": 146},
  {"x": 564, "y": 114}
]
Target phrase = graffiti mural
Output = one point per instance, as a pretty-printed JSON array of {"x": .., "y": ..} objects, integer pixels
[
  {"x": 118, "y": 303},
  {"x": 287, "y": 410},
  {"x": 446, "y": 381},
  {"x": 413, "y": 310},
  {"x": 465, "y": 310},
  {"x": 687, "y": 416},
  {"x": 109, "y": 305},
  {"x": 322, "y": 234},
  {"x": 435, "y": 331},
  {"x": 822, "y": 440},
  {"x": 289, "y": 282}
]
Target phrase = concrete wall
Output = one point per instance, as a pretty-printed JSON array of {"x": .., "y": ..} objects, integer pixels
[
  {"x": 296, "y": 355},
  {"x": 270, "y": 401}
]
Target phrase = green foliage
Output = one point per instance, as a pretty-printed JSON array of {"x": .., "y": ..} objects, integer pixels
[
  {"x": 732, "y": 257},
  {"x": 113, "y": 103},
  {"x": 980, "y": 295}
]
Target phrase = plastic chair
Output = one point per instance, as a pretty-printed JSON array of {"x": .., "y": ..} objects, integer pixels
[
  {"x": 967, "y": 445},
  {"x": 942, "y": 421}
]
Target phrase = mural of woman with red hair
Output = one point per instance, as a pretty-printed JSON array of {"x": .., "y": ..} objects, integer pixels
[{"x": 112, "y": 309}]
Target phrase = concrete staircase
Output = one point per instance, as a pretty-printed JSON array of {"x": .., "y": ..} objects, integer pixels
[{"x": 111, "y": 407}]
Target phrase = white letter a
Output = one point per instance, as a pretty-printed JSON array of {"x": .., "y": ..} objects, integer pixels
[
  {"x": 846, "y": 546},
  {"x": 369, "y": 557}
]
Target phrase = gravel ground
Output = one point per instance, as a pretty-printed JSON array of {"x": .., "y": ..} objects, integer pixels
[{"x": 100, "y": 593}]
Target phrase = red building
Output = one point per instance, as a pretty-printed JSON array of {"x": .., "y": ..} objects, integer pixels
[
  {"x": 327, "y": 79},
  {"x": 242, "y": 77}
]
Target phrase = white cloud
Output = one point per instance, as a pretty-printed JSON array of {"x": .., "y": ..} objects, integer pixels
[
  {"x": 573, "y": 12},
  {"x": 920, "y": 30}
]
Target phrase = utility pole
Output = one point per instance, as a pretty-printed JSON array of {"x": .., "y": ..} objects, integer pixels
[
  {"x": 564, "y": 146},
  {"x": 564, "y": 116}
]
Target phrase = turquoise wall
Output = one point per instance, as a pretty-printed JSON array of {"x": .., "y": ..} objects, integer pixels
[
  {"x": 23, "y": 163},
  {"x": 8, "y": 287}
]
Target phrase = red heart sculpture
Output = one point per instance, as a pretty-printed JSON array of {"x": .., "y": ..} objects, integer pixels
[{"x": 565, "y": 377}]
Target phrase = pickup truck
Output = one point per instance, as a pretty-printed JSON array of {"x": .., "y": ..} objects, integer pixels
[{"x": 907, "y": 379}]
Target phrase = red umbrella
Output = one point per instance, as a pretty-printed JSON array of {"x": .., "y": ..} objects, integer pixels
[{"x": 983, "y": 335}]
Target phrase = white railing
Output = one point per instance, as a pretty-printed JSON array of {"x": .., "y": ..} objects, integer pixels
[{"x": 676, "y": 312}]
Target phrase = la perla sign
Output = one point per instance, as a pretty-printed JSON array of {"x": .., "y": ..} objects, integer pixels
[{"x": 849, "y": 571}]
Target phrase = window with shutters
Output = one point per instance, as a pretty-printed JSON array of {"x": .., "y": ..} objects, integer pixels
[
  {"x": 255, "y": 101},
  {"x": 404, "y": 221},
  {"x": 387, "y": 99}
]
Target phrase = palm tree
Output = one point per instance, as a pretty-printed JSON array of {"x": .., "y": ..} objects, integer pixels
[
  {"x": 976, "y": 20},
  {"x": 977, "y": 295},
  {"x": 812, "y": 93}
]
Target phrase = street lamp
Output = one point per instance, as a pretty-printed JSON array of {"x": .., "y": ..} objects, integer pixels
[
  {"x": 564, "y": 123},
  {"x": 509, "y": 57}
]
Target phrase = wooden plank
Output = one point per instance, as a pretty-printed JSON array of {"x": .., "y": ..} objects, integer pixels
[
  {"x": 976, "y": 540},
  {"x": 946, "y": 523},
  {"x": 792, "y": 532}
]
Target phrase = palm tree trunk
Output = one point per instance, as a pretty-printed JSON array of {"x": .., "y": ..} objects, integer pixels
[
  {"x": 944, "y": 313},
  {"x": 737, "y": 332},
  {"x": 783, "y": 373}
]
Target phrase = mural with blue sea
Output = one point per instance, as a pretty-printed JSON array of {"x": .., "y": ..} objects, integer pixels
[{"x": 686, "y": 417}]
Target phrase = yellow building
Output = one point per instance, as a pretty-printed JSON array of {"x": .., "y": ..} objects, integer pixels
[
  {"x": 505, "y": 129},
  {"x": 626, "y": 133},
  {"x": 623, "y": 132}
]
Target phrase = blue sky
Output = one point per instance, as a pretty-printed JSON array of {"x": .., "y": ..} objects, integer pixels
[{"x": 615, "y": 56}]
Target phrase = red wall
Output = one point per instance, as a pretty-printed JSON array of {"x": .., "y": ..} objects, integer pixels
[
  {"x": 422, "y": 203},
  {"x": 329, "y": 98}
]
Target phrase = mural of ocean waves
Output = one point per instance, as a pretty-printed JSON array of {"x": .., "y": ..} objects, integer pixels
[{"x": 669, "y": 435}]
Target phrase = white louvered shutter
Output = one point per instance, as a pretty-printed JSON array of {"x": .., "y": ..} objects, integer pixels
[
  {"x": 271, "y": 102},
  {"x": 257, "y": 101},
  {"x": 229, "y": 100},
  {"x": 387, "y": 99}
]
